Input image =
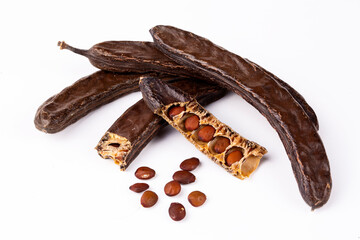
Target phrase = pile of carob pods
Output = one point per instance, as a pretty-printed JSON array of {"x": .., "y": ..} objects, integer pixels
[{"x": 179, "y": 73}]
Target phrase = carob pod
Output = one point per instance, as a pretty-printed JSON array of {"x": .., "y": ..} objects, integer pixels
[
  {"x": 212, "y": 137},
  {"x": 135, "y": 128},
  {"x": 85, "y": 95},
  {"x": 297, "y": 132},
  {"x": 297, "y": 96},
  {"x": 137, "y": 56},
  {"x": 129, "y": 56}
]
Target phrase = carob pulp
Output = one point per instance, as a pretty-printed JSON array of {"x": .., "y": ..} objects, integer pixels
[
  {"x": 296, "y": 130},
  {"x": 161, "y": 98},
  {"x": 134, "y": 129}
]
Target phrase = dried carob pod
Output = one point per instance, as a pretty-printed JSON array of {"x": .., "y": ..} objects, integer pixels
[
  {"x": 135, "y": 128},
  {"x": 137, "y": 56},
  {"x": 212, "y": 137},
  {"x": 85, "y": 95},
  {"x": 296, "y": 130},
  {"x": 129, "y": 56}
]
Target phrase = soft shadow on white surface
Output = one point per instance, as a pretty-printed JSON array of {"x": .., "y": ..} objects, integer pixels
[{"x": 55, "y": 186}]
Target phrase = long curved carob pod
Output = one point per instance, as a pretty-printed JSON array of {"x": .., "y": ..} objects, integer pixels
[
  {"x": 137, "y": 56},
  {"x": 298, "y": 134}
]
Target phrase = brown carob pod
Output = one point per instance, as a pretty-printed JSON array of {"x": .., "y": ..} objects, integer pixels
[
  {"x": 161, "y": 98},
  {"x": 296, "y": 130},
  {"x": 129, "y": 56},
  {"x": 85, "y": 95},
  {"x": 137, "y": 56},
  {"x": 297, "y": 96},
  {"x": 134, "y": 129}
]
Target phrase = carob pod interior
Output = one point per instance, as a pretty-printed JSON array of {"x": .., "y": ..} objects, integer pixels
[
  {"x": 137, "y": 56},
  {"x": 134, "y": 129},
  {"x": 212, "y": 137},
  {"x": 85, "y": 95},
  {"x": 297, "y": 132}
]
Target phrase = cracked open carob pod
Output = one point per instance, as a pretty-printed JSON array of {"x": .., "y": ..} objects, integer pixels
[
  {"x": 295, "y": 128},
  {"x": 212, "y": 137},
  {"x": 138, "y": 56},
  {"x": 135, "y": 128}
]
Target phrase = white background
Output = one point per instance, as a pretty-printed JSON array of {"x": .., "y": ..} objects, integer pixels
[{"x": 57, "y": 187}]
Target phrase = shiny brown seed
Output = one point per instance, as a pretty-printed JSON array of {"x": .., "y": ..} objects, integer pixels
[
  {"x": 221, "y": 143},
  {"x": 197, "y": 198},
  {"x": 192, "y": 123},
  {"x": 172, "y": 188},
  {"x": 184, "y": 177},
  {"x": 144, "y": 173},
  {"x": 148, "y": 199},
  {"x": 177, "y": 211},
  {"x": 139, "y": 187},
  {"x": 233, "y": 157},
  {"x": 190, "y": 164},
  {"x": 206, "y": 133},
  {"x": 173, "y": 111}
]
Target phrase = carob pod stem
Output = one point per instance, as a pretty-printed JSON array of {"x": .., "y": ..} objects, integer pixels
[
  {"x": 212, "y": 137},
  {"x": 85, "y": 95},
  {"x": 297, "y": 132},
  {"x": 137, "y": 56},
  {"x": 135, "y": 128}
]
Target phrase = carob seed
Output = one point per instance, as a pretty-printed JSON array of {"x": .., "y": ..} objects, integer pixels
[
  {"x": 221, "y": 143},
  {"x": 190, "y": 164},
  {"x": 206, "y": 133},
  {"x": 149, "y": 199},
  {"x": 192, "y": 123},
  {"x": 139, "y": 187},
  {"x": 233, "y": 157},
  {"x": 184, "y": 177},
  {"x": 172, "y": 188},
  {"x": 144, "y": 173},
  {"x": 177, "y": 211},
  {"x": 175, "y": 111},
  {"x": 197, "y": 198}
]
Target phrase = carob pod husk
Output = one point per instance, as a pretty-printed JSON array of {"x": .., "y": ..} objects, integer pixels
[
  {"x": 218, "y": 142},
  {"x": 85, "y": 95},
  {"x": 297, "y": 132},
  {"x": 137, "y": 56},
  {"x": 296, "y": 95},
  {"x": 135, "y": 128}
]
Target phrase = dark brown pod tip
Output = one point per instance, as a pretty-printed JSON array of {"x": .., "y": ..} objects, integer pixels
[
  {"x": 184, "y": 177},
  {"x": 190, "y": 164},
  {"x": 144, "y": 173},
  {"x": 177, "y": 211}
]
